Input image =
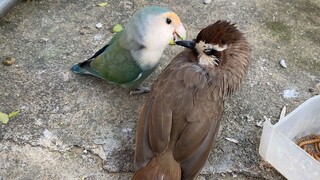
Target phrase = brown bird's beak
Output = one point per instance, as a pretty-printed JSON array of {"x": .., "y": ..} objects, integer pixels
[{"x": 187, "y": 44}]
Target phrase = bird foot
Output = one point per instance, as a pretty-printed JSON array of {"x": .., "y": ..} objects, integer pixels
[{"x": 140, "y": 90}]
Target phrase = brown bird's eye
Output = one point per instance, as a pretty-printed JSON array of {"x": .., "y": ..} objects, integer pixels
[{"x": 168, "y": 21}]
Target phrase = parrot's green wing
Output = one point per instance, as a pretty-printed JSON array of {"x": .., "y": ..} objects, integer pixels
[{"x": 115, "y": 64}]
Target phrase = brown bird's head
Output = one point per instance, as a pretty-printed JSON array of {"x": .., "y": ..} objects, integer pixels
[
  {"x": 223, "y": 52},
  {"x": 213, "y": 42}
]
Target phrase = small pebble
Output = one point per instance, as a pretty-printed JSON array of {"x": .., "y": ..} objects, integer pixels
[
  {"x": 259, "y": 123},
  {"x": 98, "y": 37},
  {"x": 206, "y": 1},
  {"x": 44, "y": 39},
  {"x": 8, "y": 61},
  {"x": 85, "y": 151},
  {"x": 283, "y": 63},
  {"x": 290, "y": 93},
  {"x": 99, "y": 25},
  {"x": 232, "y": 140}
]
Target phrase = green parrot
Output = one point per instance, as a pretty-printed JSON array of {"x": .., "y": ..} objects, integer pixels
[{"x": 134, "y": 53}]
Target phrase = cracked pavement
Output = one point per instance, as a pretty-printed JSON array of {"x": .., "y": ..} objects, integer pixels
[{"x": 74, "y": 127}]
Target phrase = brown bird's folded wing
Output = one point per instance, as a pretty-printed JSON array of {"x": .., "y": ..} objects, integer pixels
[
  {"x": 196, "y": 141},
  {"x": 153, "y": 131},
  {"x": 155, "y": 118}
]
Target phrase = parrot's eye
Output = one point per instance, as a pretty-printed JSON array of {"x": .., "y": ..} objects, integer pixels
[{"x": 168, "y": 20}]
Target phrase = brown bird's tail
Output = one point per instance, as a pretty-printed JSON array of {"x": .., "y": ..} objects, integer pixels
[{"x": 159, "y": 168}]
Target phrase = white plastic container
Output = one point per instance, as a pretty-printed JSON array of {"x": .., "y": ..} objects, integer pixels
[{"x": 278, "y": 142}]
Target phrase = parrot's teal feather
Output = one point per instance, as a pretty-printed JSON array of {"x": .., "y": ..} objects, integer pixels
[{"x": 84, "y": 68}]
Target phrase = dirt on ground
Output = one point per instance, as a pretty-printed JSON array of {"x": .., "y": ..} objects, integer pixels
[{"x": 81, "y": 127}]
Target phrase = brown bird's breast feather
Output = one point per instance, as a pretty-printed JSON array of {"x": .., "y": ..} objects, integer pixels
[{"x": 182, "y": 114}]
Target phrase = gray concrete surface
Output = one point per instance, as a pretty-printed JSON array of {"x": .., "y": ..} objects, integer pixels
[{"x": 74, "y": 127}]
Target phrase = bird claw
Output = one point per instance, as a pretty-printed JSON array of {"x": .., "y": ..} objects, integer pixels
[{"x": 140, "y": 90}]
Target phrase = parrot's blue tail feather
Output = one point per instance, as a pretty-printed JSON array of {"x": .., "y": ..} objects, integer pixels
[
  {"x": 77, "y": 69},
  {"x": 84, "y": 68}
]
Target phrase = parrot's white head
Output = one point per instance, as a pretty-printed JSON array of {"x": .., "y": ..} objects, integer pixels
[
  {"x": 163, "y": 29},
  {"x": 152, "y": 29}
]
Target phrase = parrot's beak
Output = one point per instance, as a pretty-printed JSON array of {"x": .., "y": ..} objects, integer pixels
[
  {"x": 178, "y": 34},
  {"x": 187, "y": 44}
]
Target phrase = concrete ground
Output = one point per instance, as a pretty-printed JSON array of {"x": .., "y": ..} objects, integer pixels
[{"x": 74, "y": 127}]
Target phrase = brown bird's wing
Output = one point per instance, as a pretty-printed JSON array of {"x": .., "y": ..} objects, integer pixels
[
  {"x": 155, "y": 118},
  {"x": 153, "y": 130},
  {"x": 196, "y": 140}
]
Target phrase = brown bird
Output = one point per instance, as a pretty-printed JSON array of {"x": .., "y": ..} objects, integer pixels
[{"x": 179, "y": 122}]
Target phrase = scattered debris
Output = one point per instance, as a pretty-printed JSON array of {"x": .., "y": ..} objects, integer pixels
[
  {"x": 126, "y": 130},
  {"x": 283, "y": 63},
  {"x": 265, "y": 118},
  {"x": 290, "y": 93},
  {"x": 90, "y": 177},
  {"x": 8, "y": 61},
  {"x": 206, "y": 1},
  {"x": 232, "y": 140},
  {"x": 260, "y": 123},
  {"x": 4, "y": 118},
  {"x": 315, "y": 90},
  {"x": 100, "y": 152},
  {"x": 98, "y": 37},
  {"x": 98, "y": 25},
  {"x": 43, "y": 40},
  {"x": 85, "y": 30},
  {"x": 85, "y": 151},
  {"x": 248, "y": 117},
  {"x": 283, "y": 112},
  {"x": 14, "y": 114},
  {"x": 311, "y": 89},
  {"x": 117, "y": 28},
  {"x": 103, "y": 4},
  {"x": 48, "y": 134},
  {"x": 52, "y": 142}
]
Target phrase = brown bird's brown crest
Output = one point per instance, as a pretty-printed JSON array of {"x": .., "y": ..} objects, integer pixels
[{"x": 179, "y": 122}]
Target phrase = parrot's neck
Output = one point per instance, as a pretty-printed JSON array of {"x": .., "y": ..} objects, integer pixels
[{"x": 147, "y": 59}]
